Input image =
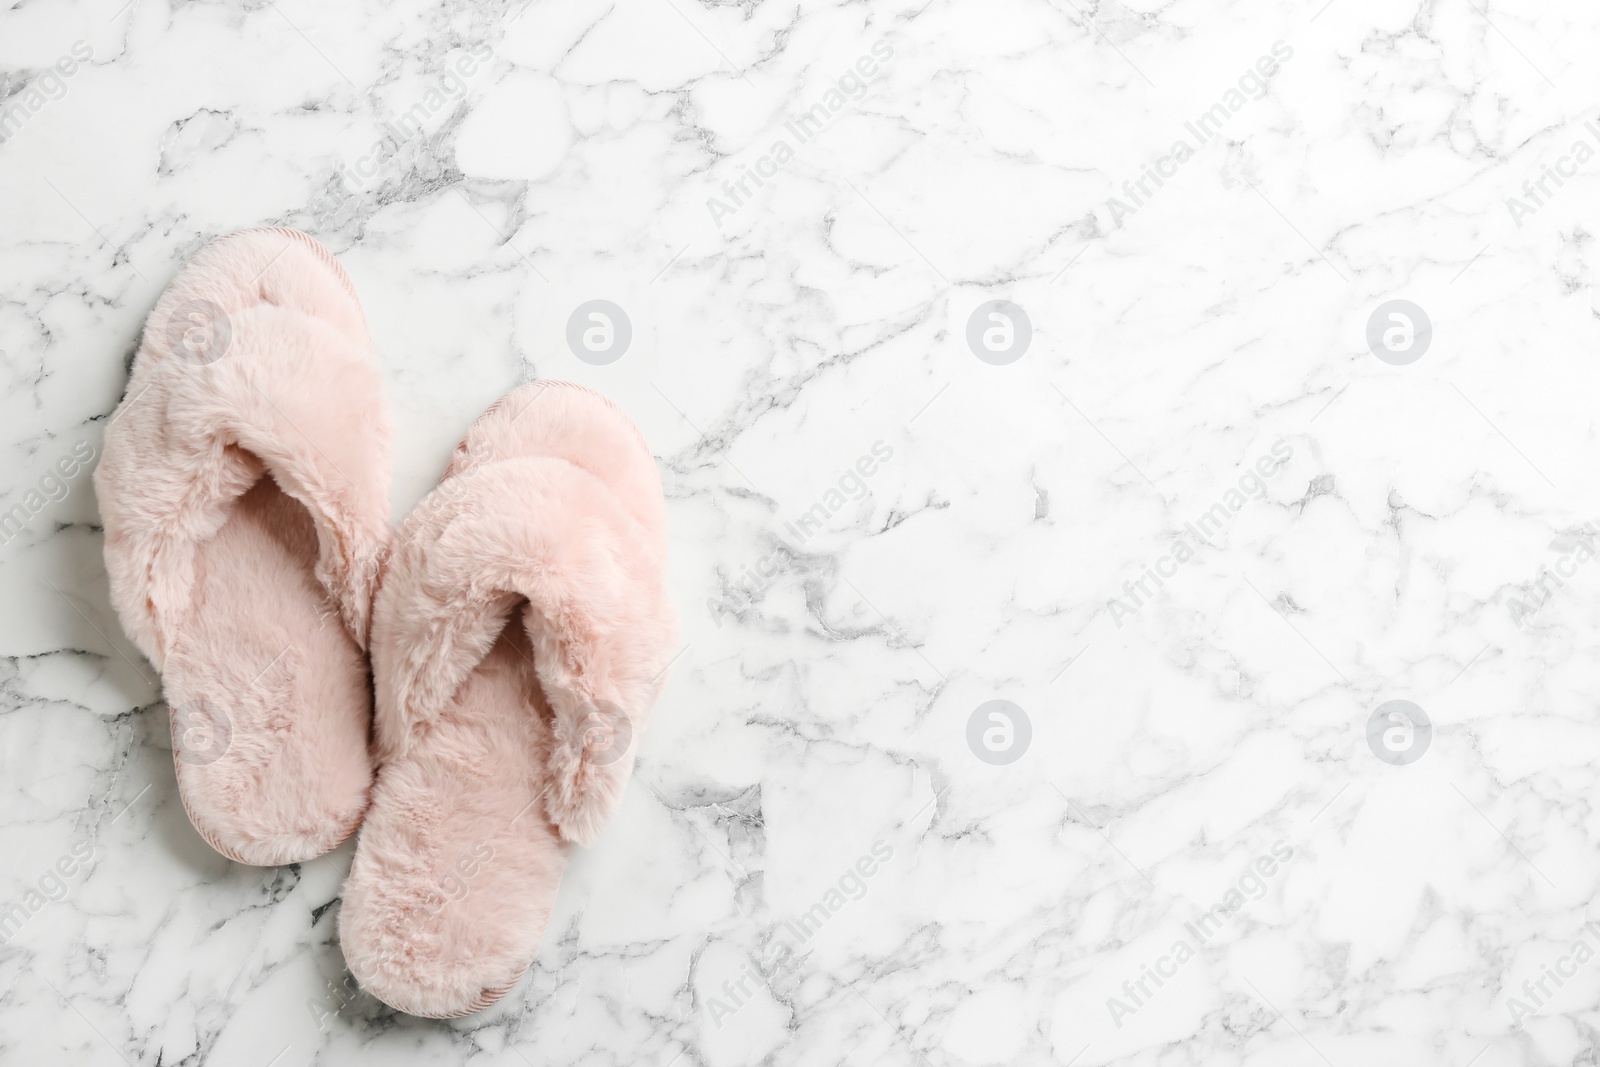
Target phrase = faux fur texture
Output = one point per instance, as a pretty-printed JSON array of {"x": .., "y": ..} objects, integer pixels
[
  {"x": 244, "y": 493},
  {"x": 497, "y": 741}
]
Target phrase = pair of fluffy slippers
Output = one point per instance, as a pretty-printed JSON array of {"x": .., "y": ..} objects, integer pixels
[{"x": 515, "y": 625}]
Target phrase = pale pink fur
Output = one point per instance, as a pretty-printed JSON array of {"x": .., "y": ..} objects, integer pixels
[
  {"x": 245, "y": 504},
  {"x": 551, "y": 504}
]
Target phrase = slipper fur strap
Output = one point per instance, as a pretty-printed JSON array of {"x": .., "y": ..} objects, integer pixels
[
  {"x": 543, "y": 530},
  {"x": 293, "y": 395}
]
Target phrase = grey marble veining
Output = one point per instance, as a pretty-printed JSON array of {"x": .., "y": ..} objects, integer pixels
[{"x": 1172, "y": 500}]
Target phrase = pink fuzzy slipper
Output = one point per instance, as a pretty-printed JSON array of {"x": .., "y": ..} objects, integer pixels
[
  {"x": 244, "y": 492},
  {"x": 518, "y": 641}
]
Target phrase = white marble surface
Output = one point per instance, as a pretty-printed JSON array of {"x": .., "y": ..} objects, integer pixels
[{"x": 778, "y": 336}]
